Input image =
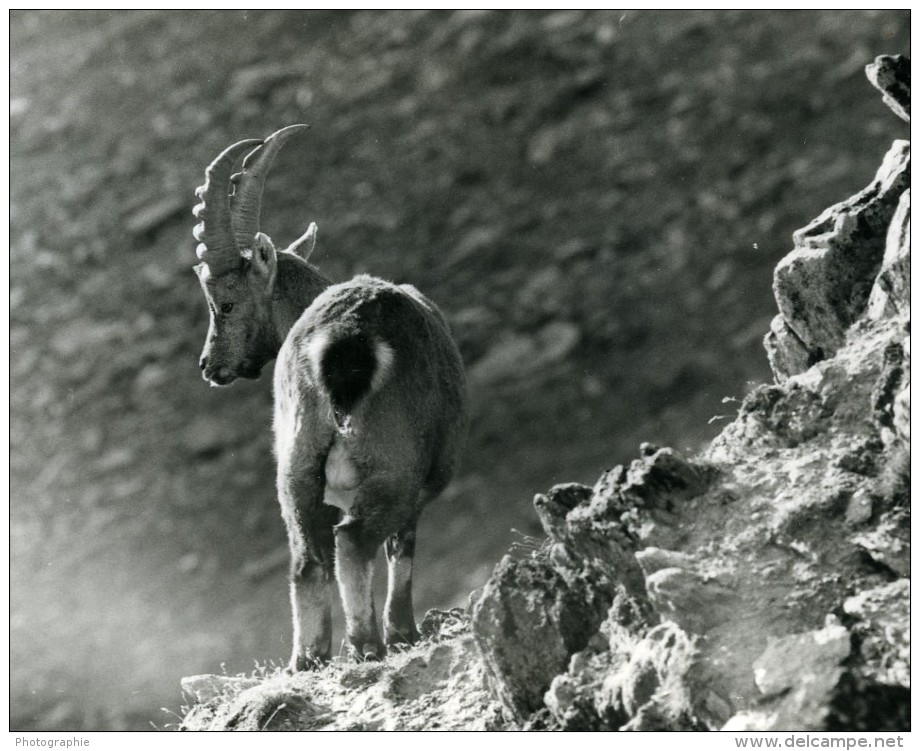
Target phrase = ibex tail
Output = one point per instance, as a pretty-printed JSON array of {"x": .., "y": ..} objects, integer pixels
[{"x": 349, "y": 366}]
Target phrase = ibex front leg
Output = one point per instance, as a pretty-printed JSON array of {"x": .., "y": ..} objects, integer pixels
[
  {"x": 398, "y": 617},
  {"x": 309, "y": 524}
]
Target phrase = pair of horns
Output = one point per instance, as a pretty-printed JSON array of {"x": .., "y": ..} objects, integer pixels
[{"x": 231, "y": 203}]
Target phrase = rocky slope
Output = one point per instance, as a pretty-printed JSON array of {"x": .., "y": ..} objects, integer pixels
[{"x": 761, "y": 585}]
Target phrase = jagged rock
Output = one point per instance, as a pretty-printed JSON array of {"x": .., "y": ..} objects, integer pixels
[
  {"x": 890, "y": 74},
  {"x": 638, "y": 502},
  {"x": 859, "y": 509},
  {"x": 788, "y": 417},
  {"x": 591, "y": 539},
  {"x": 605, "y": 546},
  {"x": 803, "y": 670},
  {"x": 891, "y": 396},
  {"x": 901, "y": 405},
  {"x": 444, "y": 624},
  {"x": 640, "y": 683},
  {"x": 785, "y": 351},
  {"x": 883, "y": 630},
  {"x": 527, "y": 624},
  {"x": 656, "y": 675},
  {"x": 694, "y": 602},
  {"x": 663, "y": 480},
  {"x": 900, "y": 417},
  {"x": 653, "y": 560},
  {"x": 571, "y": 696},
  {"x": 570, "y": 705},
  {"x": 589, "y": 696},
  {"x": 553, "y": 507},
  {"x": 795, "y": 660},
  {"x": 851, "y": 704},
  {"x": 891, "y": 294},
  {"x": 813, "y": 689},
  {"x": 415, "y": 677},
  {"x": 889, "y": 542},
  {"x": 823, "y": 285}
]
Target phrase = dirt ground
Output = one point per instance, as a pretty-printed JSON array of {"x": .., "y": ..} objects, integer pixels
[{"x": 596, "y": 199}]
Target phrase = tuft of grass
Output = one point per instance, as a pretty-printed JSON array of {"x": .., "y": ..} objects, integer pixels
[{"x": 525, "y": 544}]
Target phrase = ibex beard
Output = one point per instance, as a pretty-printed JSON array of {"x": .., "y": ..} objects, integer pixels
[{"x": 370, "y": 404}]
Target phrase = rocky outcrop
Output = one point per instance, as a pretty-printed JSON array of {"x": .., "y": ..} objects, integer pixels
[
  {"x": 890, "y": 74},
  {"x": 823, "y": 286},
  {"x": 762, "y": 585}
]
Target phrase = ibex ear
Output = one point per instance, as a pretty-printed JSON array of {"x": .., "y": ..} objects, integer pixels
[
  {"x": 264, "y": 259},
  {"x": 305, "y": 244}
]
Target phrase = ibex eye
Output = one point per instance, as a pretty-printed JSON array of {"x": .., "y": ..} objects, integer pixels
[{"x": 226, "y": 307}]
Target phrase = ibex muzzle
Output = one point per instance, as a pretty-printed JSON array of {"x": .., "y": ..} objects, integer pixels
[{"x": 370, "y": 403}]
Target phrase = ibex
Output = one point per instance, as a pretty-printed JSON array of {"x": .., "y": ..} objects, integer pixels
[{"x": 370, "y": 403}]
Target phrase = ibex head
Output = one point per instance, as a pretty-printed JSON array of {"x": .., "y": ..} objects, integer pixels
[{"x": 239, "y": 264}]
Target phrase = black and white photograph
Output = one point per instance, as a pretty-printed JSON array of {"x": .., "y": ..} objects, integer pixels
[{"x": 460, "y": 370}]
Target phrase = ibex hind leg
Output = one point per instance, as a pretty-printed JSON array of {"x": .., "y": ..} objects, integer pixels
[
  {"x": 355, "y": 548},
  {"x": 398, "y": 616}
]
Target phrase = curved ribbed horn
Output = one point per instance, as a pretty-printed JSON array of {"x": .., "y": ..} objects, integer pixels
[
  {"x": 248, "y": 185},
  {"x": 214, "y": 232}
]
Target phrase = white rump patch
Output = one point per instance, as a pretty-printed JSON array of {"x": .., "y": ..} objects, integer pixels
[
  {"x": 314, "y": 350},
  {"x": 384, "y": 356}
]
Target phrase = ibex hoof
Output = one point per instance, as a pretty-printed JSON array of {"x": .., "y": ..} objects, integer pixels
[
  {"x": 303, "y": 663},
  {"x": 371, "y": 652},
  {"x": 403, "y": 638}
]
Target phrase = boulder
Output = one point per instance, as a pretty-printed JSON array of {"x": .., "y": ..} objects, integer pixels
[
  {"x": 890, "y": 74},
  {"x": 823, "y": 285},
  {"x": 529, "y": 621}
]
